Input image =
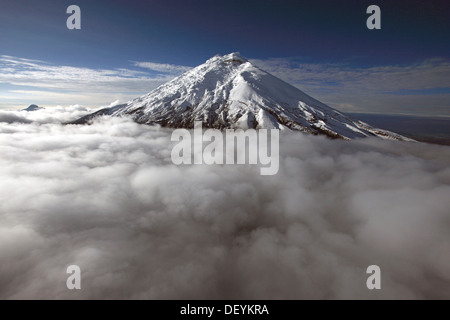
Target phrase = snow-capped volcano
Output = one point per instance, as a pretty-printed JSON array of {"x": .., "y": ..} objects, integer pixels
[{"x": 229, "y": 92}]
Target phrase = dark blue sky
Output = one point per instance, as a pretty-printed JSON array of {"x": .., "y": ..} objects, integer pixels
[
  {"x": 188, "y": 32},
  {"x": 305, "y": 36}
]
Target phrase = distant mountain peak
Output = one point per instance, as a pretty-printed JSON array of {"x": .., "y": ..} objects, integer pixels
[
  {"x": 32, "y": 107},
  {"x": 230, "y": 92}
]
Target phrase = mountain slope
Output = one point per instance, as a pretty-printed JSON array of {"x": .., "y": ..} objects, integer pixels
[{"x": 229, "y": 92}]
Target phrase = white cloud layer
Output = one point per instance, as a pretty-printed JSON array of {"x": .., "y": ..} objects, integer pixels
[{"x": 107, "y": 198}]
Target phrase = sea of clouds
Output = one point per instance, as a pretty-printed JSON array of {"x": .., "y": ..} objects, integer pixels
[{"x": 107, "y": 197}]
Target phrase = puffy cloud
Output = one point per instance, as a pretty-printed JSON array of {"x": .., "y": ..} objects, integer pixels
[
  {"x": 10, "y": 117},
  {"x": 108, "y": 198}
]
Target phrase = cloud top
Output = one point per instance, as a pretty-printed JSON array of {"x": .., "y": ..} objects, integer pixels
[{"x": 107, "y": 198}]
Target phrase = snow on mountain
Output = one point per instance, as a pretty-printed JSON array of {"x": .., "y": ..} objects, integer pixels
[{"x": 229, "y": 92}]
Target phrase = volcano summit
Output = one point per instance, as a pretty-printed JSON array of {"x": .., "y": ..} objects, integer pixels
[{"x": 229, "y": 92}]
